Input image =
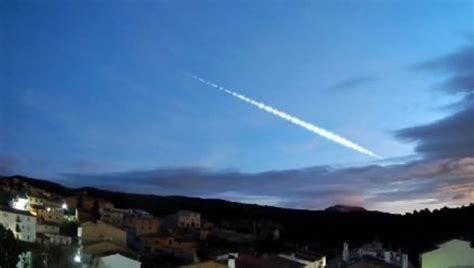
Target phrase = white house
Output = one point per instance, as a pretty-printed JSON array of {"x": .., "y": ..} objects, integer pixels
[
  {"x": 20, "y": 202},
  {"x": 116, "y": 260},
  {"x": 21, "y": 223},
  {"x": 453, "y": 253}
]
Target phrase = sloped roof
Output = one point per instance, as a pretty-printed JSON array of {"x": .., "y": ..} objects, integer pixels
[
  {"x": 117, "y": 260},
  {"x": 445, "y": 242}
]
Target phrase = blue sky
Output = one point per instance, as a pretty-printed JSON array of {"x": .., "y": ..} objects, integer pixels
[{"x": 100, "y": 87}]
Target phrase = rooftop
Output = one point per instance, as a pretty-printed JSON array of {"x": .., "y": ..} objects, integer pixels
[
  {"x": 368, "y": 261},
  {"x": 15, "y": 211}
]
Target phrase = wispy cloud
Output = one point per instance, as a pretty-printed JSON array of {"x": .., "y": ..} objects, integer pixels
[{"x": 352, "y": 83}]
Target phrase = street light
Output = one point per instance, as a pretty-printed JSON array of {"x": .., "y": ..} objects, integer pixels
[{"x": 77, "y": 258}]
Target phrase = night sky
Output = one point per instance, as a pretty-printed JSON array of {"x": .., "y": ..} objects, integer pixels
[{"x": 97, "y": 94}]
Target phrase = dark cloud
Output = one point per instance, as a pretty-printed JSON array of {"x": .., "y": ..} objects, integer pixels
[
  {"x": 452, "y": 136},
  {"x": 459, "y": 62},
  {"x": 315, "y": 187},
  {"x": 43, "y": 167},
  {"x": 463, "y": 83},
  {"x": 459, "y": 196},
  {"x": 352, "y": 83},
  {"x": 459, "y": 69}
]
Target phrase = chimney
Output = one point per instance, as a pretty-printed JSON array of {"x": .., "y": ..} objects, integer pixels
[
  {"x": 404, "y": 261},
  {"x": 387, "y": 256},
  {"x": 345, "y": 252}
]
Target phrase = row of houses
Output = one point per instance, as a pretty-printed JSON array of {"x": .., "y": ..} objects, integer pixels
[
  {"x": 32, "y": 218},
  {"x": 122, "y": 237},
  {"x": 451, "y": 253},
  {"x": 297, "y": 259},
  {"x": 130, "y": 230},
  {"x": 36, "y": 216}
]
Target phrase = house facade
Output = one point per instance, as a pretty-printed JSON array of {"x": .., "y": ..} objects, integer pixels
[
  {"x": 101, "y": 231},
  {"x": 21, "y": 223},
  {"x": 188, "y": 219},
  {"x": 51, "y": 214},
  {"x": 113, "y": 215},
  {"x": 47, "y": 227},
  {"x": 146, "y": 225},
  {"x": 177, "y": 246},
  {"x": 453, "y": 253}
]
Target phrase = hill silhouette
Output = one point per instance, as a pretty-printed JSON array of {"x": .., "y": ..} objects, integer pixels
[{"x": 345, "y": 208}]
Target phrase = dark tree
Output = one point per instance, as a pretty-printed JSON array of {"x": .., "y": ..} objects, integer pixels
[
  {"x": 80, "y": 202},
  {"x": 95, "y": 214},
  {"x": 202, "y": 251},
  {"x": 9, "y": 249}
]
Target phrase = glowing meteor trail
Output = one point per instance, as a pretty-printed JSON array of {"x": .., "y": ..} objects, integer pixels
[{"x": 294, "y": 120}]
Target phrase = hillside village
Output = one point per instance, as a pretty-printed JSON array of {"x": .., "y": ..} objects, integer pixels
[{"x": 82, "y": 230}]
